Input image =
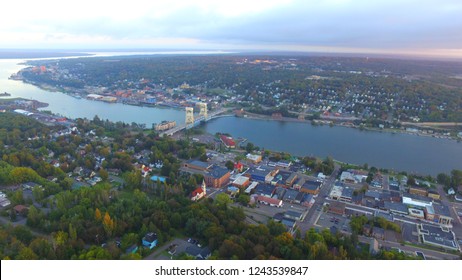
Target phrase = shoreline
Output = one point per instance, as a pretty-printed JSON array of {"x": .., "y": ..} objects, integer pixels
[{"x": 249, "y": 115}]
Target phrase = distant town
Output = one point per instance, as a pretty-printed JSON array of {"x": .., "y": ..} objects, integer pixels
[{"x": 370, "y": 93}]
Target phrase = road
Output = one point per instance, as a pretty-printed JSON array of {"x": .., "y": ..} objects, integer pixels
[
  {"x": 410, "y": 249},
  {"x": 313, "y": 213}
]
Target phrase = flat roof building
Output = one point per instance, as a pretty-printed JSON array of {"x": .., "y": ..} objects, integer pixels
[{"x": 437, "y": 236}]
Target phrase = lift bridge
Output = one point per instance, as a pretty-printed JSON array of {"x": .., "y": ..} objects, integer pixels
[{"x": 192, "y": 121}]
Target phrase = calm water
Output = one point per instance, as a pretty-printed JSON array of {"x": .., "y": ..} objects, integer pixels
[
  {"x": 411, "y": 153},
  {"x": 423, "y": 155},
  {"x": 81, "y": 108}
]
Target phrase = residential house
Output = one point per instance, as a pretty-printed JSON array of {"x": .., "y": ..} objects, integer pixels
[
  {"x": 197, "y": 252},
  {"x": 150, "y": 240},
  {"x": 290, "y": 195},
  {"x": 21, "y": 209}
]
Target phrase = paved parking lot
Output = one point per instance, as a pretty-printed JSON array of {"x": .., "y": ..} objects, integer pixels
[{"x": 327, "y": 220}]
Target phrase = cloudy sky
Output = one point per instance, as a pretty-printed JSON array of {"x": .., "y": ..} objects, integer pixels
[{"x": 431, "y": 27}]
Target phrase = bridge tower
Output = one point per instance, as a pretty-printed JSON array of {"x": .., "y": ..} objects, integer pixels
[
  {"x": 203, "y": 109},
  {"x": 189, "y": 115}
]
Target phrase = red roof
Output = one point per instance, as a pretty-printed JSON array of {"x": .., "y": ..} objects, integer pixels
[
  {"x": 269, "y": 200},
  {"x": 197, "y": 191},
  {"x": 228, "y": 141}
]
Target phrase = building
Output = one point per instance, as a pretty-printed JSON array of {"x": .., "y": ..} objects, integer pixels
[
  {"x": 433, "y": 194},
  {"x": 291, "y": 180},
  {"x": 197, "y": 165},
  {"x": 416, "y": 213},
  {"x": 418, "y": 191},
  {"x": 198, "y": 253},
  {"x": 261, "y": 174},
  {"x": 20, "y": 209},
  {"x": 265, "y": 190},
  {"x": 337, "y": 207},
  {"x": 269, "y": 201},
  {"x": 347, "y": 177},
  {"x": 347, "y": 195},
  {"x": 232, "y": 191},
  {"x": 199, "y": 193},
  {"x": 241, "y": 182},
  {"x": 251, "y": 187},
  {"x": 165, "y": 125},
  {"x": 150, "y": 240},
  {"x": 416, "y": 201},
  {"x": 228, "y": 141},
  {"x": 437, "y": 236},
  {"x": 254, "y": 158},
  {"x": 336, "y": 192},
  {"x": 396, "y": 208},
  {"x": 290, "y": 195},
  {"x": 438, "y": 213},
  {"x": 294, "y": 215},
  {"x": 311, "y": 187},
  {"x": 217, "y": 177}
]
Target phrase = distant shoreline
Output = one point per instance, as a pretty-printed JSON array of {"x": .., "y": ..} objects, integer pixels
[{"x": 24, "y": 54}]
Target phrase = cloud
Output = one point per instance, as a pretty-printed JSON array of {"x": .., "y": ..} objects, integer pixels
[{"x": 381, "y": 24}]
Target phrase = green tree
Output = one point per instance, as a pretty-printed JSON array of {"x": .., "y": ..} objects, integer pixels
[
  {"x": 223, "y": 200},
  {"x": 230, "y": 165}
]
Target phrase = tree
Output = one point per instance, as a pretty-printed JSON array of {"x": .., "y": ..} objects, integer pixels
[
  {"x": 103, "y": 174},
  {"x": 249, "y": 147},
  {"x": 243, "y": 199},
  {"x": 98, "y": 214},
  {"x": 108, "y": 224},
  {"x": 230, "y": 165},
  {"x": 223, "y": 200}
]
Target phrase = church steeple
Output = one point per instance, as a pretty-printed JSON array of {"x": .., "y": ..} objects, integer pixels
[{"x": 204, "y": 187}]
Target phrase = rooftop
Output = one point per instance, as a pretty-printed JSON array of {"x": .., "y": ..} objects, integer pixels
[
  {"x": 198, "y": 163},
  {"x": 441, "y": 210},
  {"x": 395, "y": 206},
  {"x": 218, "y": 172}
]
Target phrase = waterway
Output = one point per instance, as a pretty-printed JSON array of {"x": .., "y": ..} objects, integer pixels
[
  {"x": 411, "y": 153},
  {"x": 417, "y": 154},
  {"x": 71, "y": 107}
]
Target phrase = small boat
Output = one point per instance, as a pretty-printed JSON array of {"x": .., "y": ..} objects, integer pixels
[{"x": 5, "y": 94}]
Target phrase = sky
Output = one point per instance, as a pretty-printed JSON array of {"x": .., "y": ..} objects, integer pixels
[{"x": 414, "y": 27}]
